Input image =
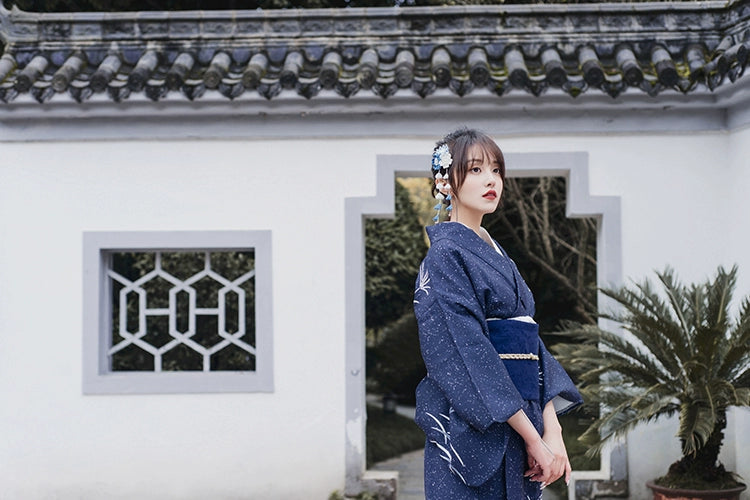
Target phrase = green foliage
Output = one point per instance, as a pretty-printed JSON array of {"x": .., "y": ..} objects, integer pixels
[
  {"x": 421, "y": 198},
  {"x": 393, "y": 250},
  {"x": 395, "y": 362},
  {"x": 680, "y": 354},
  {"x": 390, "y": 435}
]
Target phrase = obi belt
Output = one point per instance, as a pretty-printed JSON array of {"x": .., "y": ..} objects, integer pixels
[{"x": 517, "y": 344}]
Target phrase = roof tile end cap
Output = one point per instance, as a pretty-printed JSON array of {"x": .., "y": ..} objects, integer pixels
[{"x": 16, "y": 24}]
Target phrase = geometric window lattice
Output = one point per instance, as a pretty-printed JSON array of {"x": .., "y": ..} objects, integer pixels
[
  {"x": 182, "y": 311},
  {"x": 177, "y": 312}
]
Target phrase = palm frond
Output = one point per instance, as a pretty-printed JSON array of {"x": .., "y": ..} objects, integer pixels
[
  {"x": 743, "y": 379},
  {"x": 725, "y": 394},
  {"x": 676, "y": 293},
  {"x": 650, "y": 320},
  {"x": 696, "y": 424},
  {"x": 742, "y": 395},
  {"x": 720, "y": 295},
  {"x": 735, "y": 365},
  {"x": 623, "y": 354},
  {"x": 736, "y": 361},
  {"x": 606, "y": 352},
  {"x": 617, "y": 421},
  {"x": 659, "y": 349},
  {"x": 711, "y": 332},
  {"x": 741, "y": 331}
]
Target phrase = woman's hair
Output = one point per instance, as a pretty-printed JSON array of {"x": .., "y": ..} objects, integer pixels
[{"x": 459, "y": 142}]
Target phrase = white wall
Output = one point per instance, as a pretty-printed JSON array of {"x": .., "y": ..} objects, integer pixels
[
  {"x": 738, "y": 230},
  {"x": 289, "y": 444},
  {"x": 67, "y": 445}
]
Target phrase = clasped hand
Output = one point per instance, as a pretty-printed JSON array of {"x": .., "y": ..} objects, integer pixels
[{"x": 547, "y": 460}]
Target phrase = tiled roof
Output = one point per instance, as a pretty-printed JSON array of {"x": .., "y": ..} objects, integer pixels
[{"x": 578, "y": 48}]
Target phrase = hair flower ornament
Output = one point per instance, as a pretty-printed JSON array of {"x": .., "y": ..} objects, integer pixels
[
  {"x": 441, "y": 158},
  {"x": 441, "y": 162}
]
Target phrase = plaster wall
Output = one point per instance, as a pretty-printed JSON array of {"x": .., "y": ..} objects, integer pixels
[
  {"x": 676, "y": 209},
  {"x": 738, "y": 189},
  {"x": 66, "y": 445}
]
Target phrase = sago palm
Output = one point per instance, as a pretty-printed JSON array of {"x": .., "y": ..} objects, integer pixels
[{"x": 678, "y": 353}]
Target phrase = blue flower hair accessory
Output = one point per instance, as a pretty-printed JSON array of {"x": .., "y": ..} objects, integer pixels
[
  {"x": 441, "y": 158},
  {"x": 441, "y": 162}
]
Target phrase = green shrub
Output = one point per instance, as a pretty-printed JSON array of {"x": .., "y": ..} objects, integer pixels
[
  {"x": 390, "y": 435},
  {"x": 395, "y": 364}
]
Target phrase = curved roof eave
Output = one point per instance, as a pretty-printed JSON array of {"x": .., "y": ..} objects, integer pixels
[{"x": 551, "y": 53}]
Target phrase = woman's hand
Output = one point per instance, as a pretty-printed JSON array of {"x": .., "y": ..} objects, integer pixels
[
  {"x": 555, "y": 443},
  {"x": 554, "y": 440},
  {"x": 546, "y": 464}
]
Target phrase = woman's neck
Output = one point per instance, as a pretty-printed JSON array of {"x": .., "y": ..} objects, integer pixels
[{"x": 467, "y": 219}]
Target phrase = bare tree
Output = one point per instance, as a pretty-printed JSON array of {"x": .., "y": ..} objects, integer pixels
[{"x": 557, "y": 255}]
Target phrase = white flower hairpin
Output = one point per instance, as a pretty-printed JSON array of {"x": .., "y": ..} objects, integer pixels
[{"x": 441, "y": 162}]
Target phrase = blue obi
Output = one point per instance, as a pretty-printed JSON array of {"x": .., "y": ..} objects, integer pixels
[{"x": 517, "y": 344}]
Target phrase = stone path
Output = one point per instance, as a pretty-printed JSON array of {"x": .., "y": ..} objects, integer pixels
[{"x": 410, "y": 467}]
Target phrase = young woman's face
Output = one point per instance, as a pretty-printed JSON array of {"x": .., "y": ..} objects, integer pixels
[{"x": 483, "y": 185}]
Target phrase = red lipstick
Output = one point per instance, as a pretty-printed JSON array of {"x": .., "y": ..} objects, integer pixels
[{"x": 491, "y": 194}]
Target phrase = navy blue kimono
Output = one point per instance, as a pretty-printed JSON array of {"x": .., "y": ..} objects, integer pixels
[{"x": 465, "y": 295}]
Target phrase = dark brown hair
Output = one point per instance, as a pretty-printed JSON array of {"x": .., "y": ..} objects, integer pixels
[{"x": 459, "y": 142}]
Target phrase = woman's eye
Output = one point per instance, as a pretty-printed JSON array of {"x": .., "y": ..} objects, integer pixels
[{"x": 476, "y": 170}]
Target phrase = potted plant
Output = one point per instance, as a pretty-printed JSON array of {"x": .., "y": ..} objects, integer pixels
[{"x": 678, "y": 353}]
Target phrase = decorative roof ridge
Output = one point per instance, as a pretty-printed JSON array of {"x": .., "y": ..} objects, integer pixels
[
  {"x": 18, "y": 26},
  {"x": 614, "y": 47},
  {"x": 597, "y": 7}
]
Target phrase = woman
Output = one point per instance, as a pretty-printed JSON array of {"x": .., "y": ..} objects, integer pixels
[{"x": 489, "y": 403}]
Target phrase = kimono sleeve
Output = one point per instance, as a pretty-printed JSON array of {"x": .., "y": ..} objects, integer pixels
[
  {"x": 456, "y": 349},
  {"x": 556, "y": 385}
]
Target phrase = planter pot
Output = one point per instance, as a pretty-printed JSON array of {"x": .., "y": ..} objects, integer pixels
[{"x": 662, "y": 493}]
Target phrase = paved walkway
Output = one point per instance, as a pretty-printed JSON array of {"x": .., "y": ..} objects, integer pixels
[{"x": 410, "y": 467}]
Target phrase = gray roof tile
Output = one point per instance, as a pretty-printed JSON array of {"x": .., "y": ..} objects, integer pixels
[{"x": 577, "y": 48}]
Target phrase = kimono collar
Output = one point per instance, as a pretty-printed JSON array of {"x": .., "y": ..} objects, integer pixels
[{"x": 467, "y": 239}]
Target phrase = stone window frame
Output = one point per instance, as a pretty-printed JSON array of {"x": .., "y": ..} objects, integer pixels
[{"x": 99, "y": 379}]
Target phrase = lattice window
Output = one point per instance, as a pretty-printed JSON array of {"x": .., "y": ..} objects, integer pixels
[
  {"x": 166, "y": 312},
  {"x": 182, "y": 311}
]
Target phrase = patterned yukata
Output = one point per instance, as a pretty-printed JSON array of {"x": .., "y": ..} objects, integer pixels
[{"x": 465, "y": 295}]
